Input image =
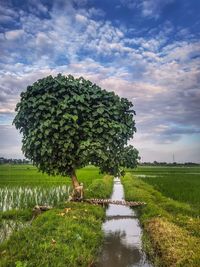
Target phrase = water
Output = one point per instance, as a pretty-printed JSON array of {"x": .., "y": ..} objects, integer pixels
[
  {"x": 122, "y": 245},
  {"x": 144, "y": 175}
]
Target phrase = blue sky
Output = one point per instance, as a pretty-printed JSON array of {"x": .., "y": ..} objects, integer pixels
[{"x": 145, "y": 50}]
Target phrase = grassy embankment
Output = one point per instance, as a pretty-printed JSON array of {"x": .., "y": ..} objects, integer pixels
[
  {"x": 171, "y": 217},
  {"x": 69, "y": 235}
]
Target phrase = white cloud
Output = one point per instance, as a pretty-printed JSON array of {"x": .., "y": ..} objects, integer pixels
[
  {"x": 182, "y": 51},
  {"x": 7, "y": 14},
  {"x": 5, "y": 19},
  {"x": 162, "y": 79},
  {"x": 10, "y": 145},
  {"x": 81, "y": 19},
  {"x": 13, "y": 35},
  {"x": 149, "y": 8},
  {"x": 96, "y": 12}
]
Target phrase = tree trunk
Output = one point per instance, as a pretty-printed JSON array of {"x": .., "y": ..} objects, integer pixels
[
  {"x": 77, "y": 194},
  {"x": 75, "y": 182}
]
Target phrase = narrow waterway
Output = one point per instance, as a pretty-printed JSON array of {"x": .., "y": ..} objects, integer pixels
[{"x": 122, "y": 243}]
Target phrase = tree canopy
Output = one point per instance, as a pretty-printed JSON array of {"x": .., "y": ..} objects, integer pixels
[{"x": 68, "y": 123}]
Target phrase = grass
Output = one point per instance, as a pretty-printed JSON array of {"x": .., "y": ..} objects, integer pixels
[
  {"x": 171, "y": 217},
  {"x": 61, "y": 237},
  {"x": 69, "y": 235}
]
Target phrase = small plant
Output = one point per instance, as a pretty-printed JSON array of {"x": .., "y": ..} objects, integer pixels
[{"x": 20, "y": 264}]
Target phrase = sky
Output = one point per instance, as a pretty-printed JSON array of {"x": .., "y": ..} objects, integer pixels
[{"x": 145, "y": 50}]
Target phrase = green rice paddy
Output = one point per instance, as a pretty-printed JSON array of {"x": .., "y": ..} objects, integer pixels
[
  {"x": 178, "y": 183},
  {"x": 22, "y": 186}
]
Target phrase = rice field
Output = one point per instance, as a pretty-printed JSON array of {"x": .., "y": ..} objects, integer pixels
[
  {"x": 27, "y": 175},
  {"x": 22, "y": 187},
  {"x": 179, "y": 183},
  {"x": 19, "y": 197}
]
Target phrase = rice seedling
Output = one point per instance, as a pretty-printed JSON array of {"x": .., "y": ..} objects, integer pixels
[{"x": 20, "y": 197}]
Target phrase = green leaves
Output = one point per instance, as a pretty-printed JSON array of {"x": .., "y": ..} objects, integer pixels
[
  {"x": 100, "y": 110},
  {"x": 79, "y": 98},
  {"x": 67, "y": 123},
  {"x": 129, "y": 157},
  {"x": 47, "y": 123},
  {"x": 99, "y": 130},
  {"x": 69, "y": 116}
]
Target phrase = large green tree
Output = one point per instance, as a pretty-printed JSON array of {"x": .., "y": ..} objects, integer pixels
[{"x": 67, "y": 123}]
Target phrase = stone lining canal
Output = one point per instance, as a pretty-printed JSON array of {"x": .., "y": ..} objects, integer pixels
[{"x": 122, "y": 235}]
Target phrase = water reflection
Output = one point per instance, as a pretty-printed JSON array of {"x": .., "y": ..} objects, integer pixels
[
  {"x": 122, "y": 245},
  {"x": 117, "y": 254}
]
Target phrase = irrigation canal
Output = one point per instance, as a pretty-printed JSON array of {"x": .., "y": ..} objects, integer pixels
[{"x": 122, "y": 235}]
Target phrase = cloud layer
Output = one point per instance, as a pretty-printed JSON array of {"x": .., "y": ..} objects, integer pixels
[{"x": 158, "y": 70}]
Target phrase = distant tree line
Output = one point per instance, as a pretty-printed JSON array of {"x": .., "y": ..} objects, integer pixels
[
  {"x": 13, "y": 161},
  {"x": 156, "y": 163}
]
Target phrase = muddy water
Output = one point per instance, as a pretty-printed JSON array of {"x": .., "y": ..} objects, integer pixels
[{"x": 122, "y": 245}]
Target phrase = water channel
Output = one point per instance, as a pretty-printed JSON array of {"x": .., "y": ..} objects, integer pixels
[{"x": 122, "y": 235}]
